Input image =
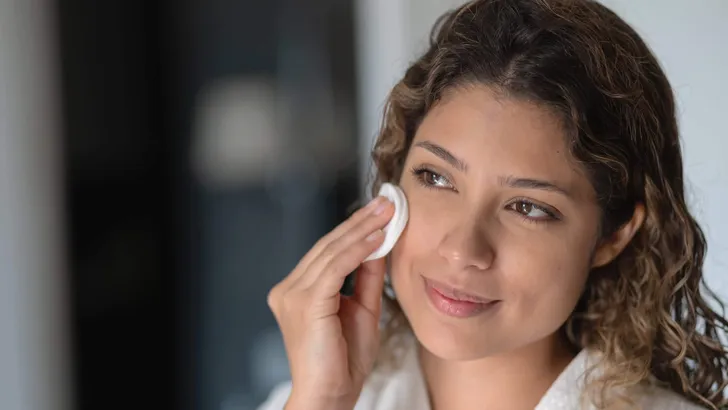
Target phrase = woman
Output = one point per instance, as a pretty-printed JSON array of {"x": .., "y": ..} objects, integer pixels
[{"x": 550, "y": 260}]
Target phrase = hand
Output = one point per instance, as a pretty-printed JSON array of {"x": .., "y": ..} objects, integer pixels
[{"x": 332, "y": 340}]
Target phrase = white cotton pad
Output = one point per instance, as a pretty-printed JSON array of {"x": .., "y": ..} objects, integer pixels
[{"x": 396, "y": 225}]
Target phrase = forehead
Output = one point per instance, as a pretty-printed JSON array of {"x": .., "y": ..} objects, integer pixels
[{"x": 500, "y": 136}]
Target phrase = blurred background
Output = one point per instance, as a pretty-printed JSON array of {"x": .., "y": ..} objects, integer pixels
[{"x": 163, "y": 164}]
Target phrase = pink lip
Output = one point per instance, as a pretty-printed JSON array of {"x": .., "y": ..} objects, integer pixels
[{"x": 454, "y": 302}]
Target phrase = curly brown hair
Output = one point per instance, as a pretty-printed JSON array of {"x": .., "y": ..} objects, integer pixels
[{"x": 644, "y": 312}]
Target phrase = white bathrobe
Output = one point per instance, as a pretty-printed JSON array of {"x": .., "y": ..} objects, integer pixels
[{"x": 405, "y": 388}]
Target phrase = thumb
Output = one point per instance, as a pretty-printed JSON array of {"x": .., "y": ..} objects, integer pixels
[{"x": 370, "y": 284}]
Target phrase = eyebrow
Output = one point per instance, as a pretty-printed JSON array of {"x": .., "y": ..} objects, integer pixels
[
  {"x": 444, "y": 154},
  {"x": 510, "y": 181},
  {"x": 531, "y": 183}
]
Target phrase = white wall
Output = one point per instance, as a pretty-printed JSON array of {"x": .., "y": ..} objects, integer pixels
[
  {"x": 33, "y": 333},
  {"x": 687, "y": 36},
  {"x": 390, "y": 34}
]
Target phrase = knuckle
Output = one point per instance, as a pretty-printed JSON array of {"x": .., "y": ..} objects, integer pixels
[
  {"x": 330, "y": 251},
  {"x": 321, "y": 243},
  {"x": 358, "y": 248},
  {"x": 291, "y": 302},
  {"x": 338, "y": 265},
  {"x": 361, "y": 212},
  {"x": 273, "y": 298}
]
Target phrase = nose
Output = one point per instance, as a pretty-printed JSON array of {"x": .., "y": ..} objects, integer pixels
[{"x": 467, "y": 246}]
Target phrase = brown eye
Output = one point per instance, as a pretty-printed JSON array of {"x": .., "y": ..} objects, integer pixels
[
  {"x": 524, "y": 207},
  {"x": 531, "y": 210},
  {"x": 432, "y": 179}
]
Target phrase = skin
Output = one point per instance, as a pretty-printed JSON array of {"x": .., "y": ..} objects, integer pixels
[
  {"x": 471, "y": 227},
  {"x": 332, "y": 341},
  {"x": 477, "y": 226}
]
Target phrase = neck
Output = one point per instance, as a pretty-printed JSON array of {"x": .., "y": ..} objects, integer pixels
[{"x": 511, "y": 381}]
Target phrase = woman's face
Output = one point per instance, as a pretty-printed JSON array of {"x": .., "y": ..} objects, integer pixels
[{"x": 502, "y": 227}]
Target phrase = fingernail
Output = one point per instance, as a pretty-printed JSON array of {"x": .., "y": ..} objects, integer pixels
[
  {"x": 381, "y": 206},
  {"x": 374, "y": 235},
  {"x": 373, "y": 203}
]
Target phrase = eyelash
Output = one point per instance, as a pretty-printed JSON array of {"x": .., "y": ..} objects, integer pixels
[
  {"x": 551, "y": 216},
  {"x": 420, "y": 173}
]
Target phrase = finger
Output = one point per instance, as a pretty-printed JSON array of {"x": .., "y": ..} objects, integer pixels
[
  {"x": 329, "y": 281},
  {"x": 370, "y": 225},
  {"x": 335, "y": 234},
  {"x": 357, "y": 217},
  {"x": 370, "y": 284}
]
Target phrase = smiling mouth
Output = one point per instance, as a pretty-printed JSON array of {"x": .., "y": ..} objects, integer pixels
[
  {"x": 456, "y": 294},
  {"x": 456, "y": 302}
]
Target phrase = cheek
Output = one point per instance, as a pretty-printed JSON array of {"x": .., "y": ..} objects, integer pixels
[
  {"x": 545, "y": 277},
  {"x": 418, "y": 245},
  {"x": 421, "y": 235}
]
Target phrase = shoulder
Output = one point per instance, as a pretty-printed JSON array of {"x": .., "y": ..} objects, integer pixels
[
  {"x": 657, "y": 398},
  {"x": 379, "y": 393},
  {"x": 374, "y": 396},
  {"x": 398, "y": 387},
  {"x": 567, "y": 391}
]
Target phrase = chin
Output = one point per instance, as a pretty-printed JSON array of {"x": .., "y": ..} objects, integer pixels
[{"x": 458, "y": 342}]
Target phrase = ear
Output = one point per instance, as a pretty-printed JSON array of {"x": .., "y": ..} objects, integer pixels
[{"x": 609, "y": 248}]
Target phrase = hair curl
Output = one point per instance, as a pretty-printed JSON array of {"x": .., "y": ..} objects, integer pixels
[{"x": 644, "y": 312}]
